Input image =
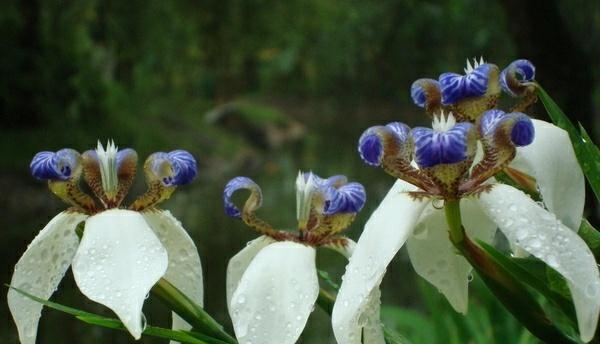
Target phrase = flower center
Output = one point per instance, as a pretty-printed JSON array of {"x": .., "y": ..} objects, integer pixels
[
  {"x": 306, "y": 185},
  {"x": 108, "y": 167},
  {"x": 441, "y": 123},
  {"x": 469, "y": 68}
]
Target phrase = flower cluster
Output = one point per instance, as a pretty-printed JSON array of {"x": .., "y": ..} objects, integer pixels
[
  {"x": 469, "y": 143},
  {"x": 122, "y": 252},
  {"x": 272, "y": 284}
]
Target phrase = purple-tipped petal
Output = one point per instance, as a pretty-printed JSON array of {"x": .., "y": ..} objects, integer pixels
[
  {"x": 515, "y": 75},
  {"x": 522, "y": 133},
  {"x": 519, "y": 126},
  {"x": 349, "y": 198},
  {"x": 441, "y": 147},
  {"x": 234, "y": 185},
  {"x": 175, "y": 168},
  {"x": 456, "y": 87},
  {"x": 371, "y": 146},
  {"x": 424, "y": 91},
  {"x": 55, "y": 166},
  {"x": 122, "y": 155}
]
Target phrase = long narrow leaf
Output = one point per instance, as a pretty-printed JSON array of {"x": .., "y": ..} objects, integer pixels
[{"x": 112, "y": 323}]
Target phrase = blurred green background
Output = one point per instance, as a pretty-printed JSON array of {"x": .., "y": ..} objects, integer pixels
[{"x": 260, "y": 88}]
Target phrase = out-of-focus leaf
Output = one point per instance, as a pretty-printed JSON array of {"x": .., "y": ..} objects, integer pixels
[
  {"x": 587, "y": 152},
  {"x": 327, "y": 278},
  {"x": 116, "y": 324},
  {"x": 591, "y": 236},
  {"x": 414, "y": 324}
]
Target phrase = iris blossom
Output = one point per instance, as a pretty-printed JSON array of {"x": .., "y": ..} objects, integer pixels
[
  {"x": 456, "y": 160},
  {"x": 272, "y": 283},
  {"x": 123, "y": 251}
]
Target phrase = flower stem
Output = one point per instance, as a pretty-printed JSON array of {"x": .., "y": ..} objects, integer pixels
[
  {"x": 190, "y": 311},
  {"x": 457, "y": 232}
]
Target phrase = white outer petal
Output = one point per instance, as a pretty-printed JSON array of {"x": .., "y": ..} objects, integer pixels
[
  {"x": 40, "y": 270},
  {"x": 435, "y": 258},
  {"x": 541, "y": 234},
  {"x": 385, "y": 232},
  {"x": 276, "y": 295},
  {"x": 117, "y": 263},
  {"x": 185, "y": 269},
  {"x": 239, "y": 263},
  {"x": 551, "y": 160}
]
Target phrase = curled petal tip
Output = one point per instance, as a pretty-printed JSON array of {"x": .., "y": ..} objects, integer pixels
[
  {"x": 370, "y": 147},
  {"x": 425, "y": 92},
  {"x": 61, "y": 165},
  {"x": 514, "y": 77},
  {"x": 234, "y": 185},
  {"x": 349, "y": 198},
  {"x": 519, "y": 126},
  {"x": 373, "y": 141},
  {"x": 175, "y": 168}
]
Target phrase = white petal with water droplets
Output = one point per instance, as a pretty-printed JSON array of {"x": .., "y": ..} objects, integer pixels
[
  {"x": 239, "y": 263},
  {"x": 551, "y": 160},
  {"x": 275, "y": 295},
  {"x": 117, "y": 263},
  {"x": 384, "y": 234},
  {"x": 40, "y": 270},
  {"x": 435, "y": 258},
  {"x": 541, "y": 234},
  {"x": 185, "y": 269}
]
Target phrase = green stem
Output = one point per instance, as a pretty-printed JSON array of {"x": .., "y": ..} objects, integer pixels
[
  {"x": 457, "y": 232},
  {"x": 190, "y": 311}
]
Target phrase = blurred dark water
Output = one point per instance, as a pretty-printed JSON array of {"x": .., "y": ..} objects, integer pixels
[{"x": 249, "y": 89}]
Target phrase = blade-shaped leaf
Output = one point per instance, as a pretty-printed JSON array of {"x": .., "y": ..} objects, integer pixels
[
  {"x": 112, "y": 323},
  {"x": 586, "y": 151},
  {"x": 591, "y": 236}
]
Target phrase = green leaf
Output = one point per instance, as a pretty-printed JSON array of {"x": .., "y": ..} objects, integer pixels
[
  {"x": 327, "y": 278},
  {"x": 528, "y": 271},
  {"x": 591, "y": 236},
  {"x": 112, "y": 323},
  {"x": 586, "y": 151}
]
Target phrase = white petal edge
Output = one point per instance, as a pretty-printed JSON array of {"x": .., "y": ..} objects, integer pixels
[
  {"x": 385, "y": 232},
  {"x": 185, "y": 269},
  {"x": 239, "y": 263},
  {"x": 436, "y": 259},
  {"x": 371, "y": 320},
  {"x": 117, "y": 263},
  {"x": 551, "y": 160},
  {"x": 275, "y": 295},
  {"x": 541, "y": 234},
  {"x": 40, "y": 270}
]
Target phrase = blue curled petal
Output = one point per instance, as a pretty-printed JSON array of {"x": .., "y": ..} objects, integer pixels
[
  {"x": 421, "y": 90},
  {"x": 349, "y": 198},
  {"x": 400, "y": 129},
  {"x": 519, "y": 125},
  {"x": 435, "y": 147},
  {"x": 490, "y": 120},
  {"x": 370, "y": 147},
  {"x": 370, "y": 144},
  {"x": 55, "y": 166},
  {"x": 523, "y": 132},
  {"x": 519, "y": 71},
  {"x": 336, "y": 180},
  {"x": 456, "y": 87},
  {"x": 234, "y": 185},
  {"x": 184, "y": 166}
]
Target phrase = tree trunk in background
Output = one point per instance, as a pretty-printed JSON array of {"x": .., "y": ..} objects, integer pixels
[{"x": 563, "y": 67}]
